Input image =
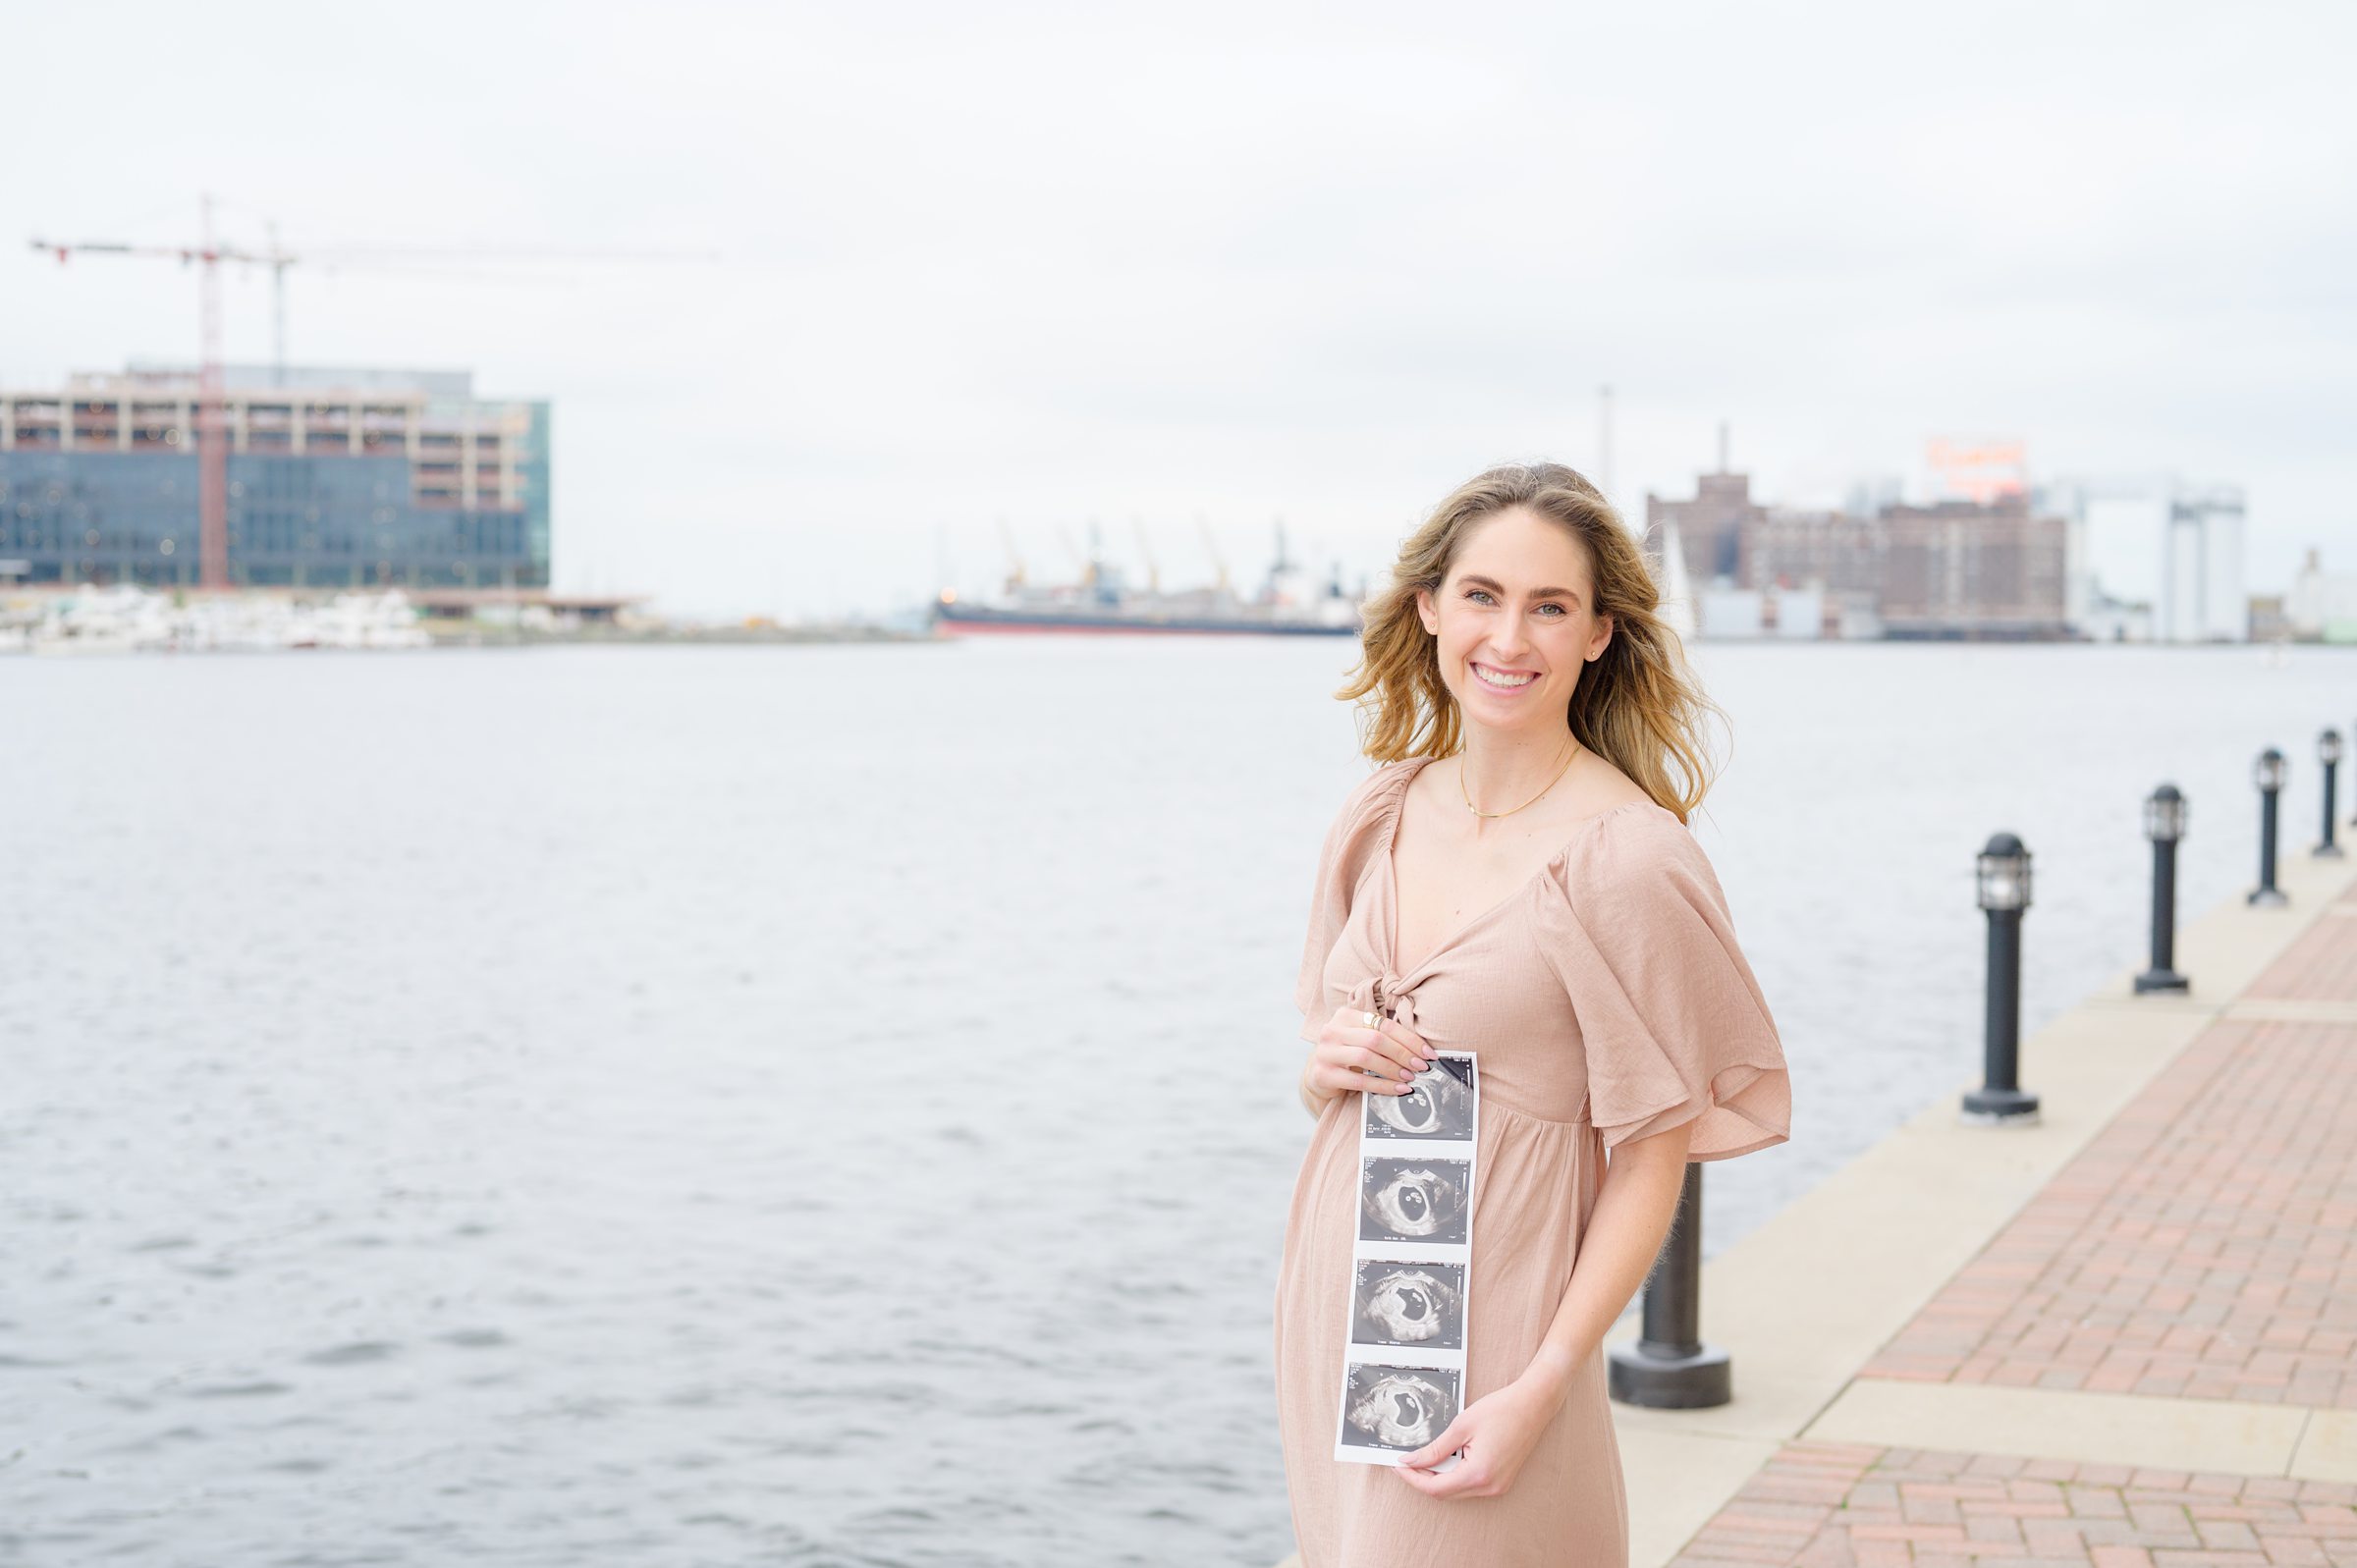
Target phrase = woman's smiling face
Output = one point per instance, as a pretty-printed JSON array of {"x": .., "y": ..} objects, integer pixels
[{"x": 1515, "y": 621}]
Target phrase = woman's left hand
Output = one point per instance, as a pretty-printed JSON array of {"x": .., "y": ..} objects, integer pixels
[{"x": 1497, "y": 1432}]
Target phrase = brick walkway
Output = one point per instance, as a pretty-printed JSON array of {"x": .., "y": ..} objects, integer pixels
[
  {"x": 1838, "y": 1506},
  {"x": 2201, "y": 1246},
  {"x": 2322, "y": 966}
]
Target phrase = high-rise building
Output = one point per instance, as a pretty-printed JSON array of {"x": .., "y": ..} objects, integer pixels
[{"x": 336, "y": 477}]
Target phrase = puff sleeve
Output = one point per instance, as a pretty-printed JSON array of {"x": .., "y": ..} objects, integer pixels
[
  {"x": 1672, "y": 1023},
  {"x": 1351, "y": 841}
]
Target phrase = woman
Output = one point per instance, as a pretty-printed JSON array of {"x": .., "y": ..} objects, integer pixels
[{"x": 1517, "y": 880}]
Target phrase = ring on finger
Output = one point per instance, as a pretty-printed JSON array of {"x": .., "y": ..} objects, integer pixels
[{"x": 1370, "y": 1023}]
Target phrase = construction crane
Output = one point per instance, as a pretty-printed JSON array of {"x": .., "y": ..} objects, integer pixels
[
  {"x": 213, "y": 449},
  {"x": 391, "y": 259},
  {"x": 212, "y": 424}
]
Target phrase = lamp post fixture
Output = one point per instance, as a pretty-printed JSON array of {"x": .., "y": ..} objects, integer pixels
[
  {"x": 1670, "y": 1367},
  {"x": 2267, "y": 774},
  {"x": 2005, "y": 893},
  {"x": 2328, "y": 752},
  {"x": 2164, "y": 824}
]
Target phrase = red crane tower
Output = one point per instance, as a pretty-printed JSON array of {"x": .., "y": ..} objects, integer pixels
[{"x": 213, "y": 426}]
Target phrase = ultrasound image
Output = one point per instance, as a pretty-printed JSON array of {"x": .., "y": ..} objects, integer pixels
[
  {"x": 1415, "y": 1199},
  {"x": 1400, "y": 1407},
  {"x": 1420, "y": 1304},
  {"x": 1439, "y": 1103}
]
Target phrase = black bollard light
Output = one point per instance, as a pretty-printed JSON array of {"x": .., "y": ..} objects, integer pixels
[
  {"x": 2328, "y": 752},
  {"x": 2005, "y": 889},
  {"x": 2164, "y": 824},
  {"x": 1670, "y": 1367},
  {"x": 2267, "y": 774}
]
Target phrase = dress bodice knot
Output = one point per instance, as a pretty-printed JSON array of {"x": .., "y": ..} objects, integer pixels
[{"x": 1386, "y": 994}]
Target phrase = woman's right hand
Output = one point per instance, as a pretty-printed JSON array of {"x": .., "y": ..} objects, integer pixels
[{"x": 1350, "y": 1055}]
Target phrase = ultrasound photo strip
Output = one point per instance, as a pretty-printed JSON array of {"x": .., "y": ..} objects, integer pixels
[{"x": 1403, "y": 1355}]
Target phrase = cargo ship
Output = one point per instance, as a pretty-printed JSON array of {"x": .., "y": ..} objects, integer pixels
[{"x": 1289, "y": 603}]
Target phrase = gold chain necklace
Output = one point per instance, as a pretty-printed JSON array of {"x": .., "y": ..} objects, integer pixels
[{"x": 1533, "y": 800}]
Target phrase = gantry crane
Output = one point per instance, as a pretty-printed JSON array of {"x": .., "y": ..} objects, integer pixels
[
  {"x": 1146, "y": 548},
  {"x": 1014, "y": 558},
  {"x": 1211, "y": 547}
]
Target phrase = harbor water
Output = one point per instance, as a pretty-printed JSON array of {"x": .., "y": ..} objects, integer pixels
[{"x": 834, "y": 1105}]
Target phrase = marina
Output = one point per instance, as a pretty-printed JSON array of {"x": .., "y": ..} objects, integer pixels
[{"x": 124, "y": 617}]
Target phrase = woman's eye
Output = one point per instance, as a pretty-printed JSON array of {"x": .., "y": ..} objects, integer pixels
[{"x": 1484, "y": 594}]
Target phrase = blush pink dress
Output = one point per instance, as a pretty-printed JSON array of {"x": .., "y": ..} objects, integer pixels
[{"x": 1608, "y": 999}]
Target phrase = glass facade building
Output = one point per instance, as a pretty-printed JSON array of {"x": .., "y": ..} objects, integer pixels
[{"x": 337, "y": 478}]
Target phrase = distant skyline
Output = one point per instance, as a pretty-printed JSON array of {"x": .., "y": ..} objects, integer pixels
[{"x": 1049, "y": 263}]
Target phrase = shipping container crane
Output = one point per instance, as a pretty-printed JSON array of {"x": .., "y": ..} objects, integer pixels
[{"x": 1146, "y": 548}]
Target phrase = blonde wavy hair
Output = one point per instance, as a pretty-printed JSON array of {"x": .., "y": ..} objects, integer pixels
[{"x": 1637, "y": 706}]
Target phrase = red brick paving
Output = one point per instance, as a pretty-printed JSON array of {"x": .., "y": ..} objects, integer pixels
[
  {"x": 1846, "y": 1506},
  {"x": 2204, "y": 1244},
  {"x": 2321, "y": 966},
  {"x": 2201, "y": 1245}
]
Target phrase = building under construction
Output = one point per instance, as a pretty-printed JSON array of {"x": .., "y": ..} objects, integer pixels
[{"x": 336, "y": 478}]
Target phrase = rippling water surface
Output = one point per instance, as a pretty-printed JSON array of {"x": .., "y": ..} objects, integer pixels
[{"x": 834, "y": 1105}]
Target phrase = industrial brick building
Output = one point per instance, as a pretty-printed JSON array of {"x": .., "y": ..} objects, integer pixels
[
  {"x": 1960, "y": 569},
  {"x": 337, "y": 478},
  {"x": 1713, "y": 528},
  {"x": 1839, "y": 552},
  {"x": 1969, "y": 570}
]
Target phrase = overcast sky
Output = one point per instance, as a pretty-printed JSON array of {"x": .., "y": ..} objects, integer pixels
[{"x": 1044, "y": 265}]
